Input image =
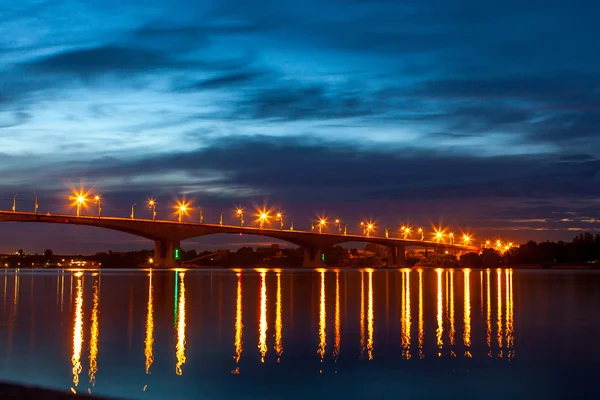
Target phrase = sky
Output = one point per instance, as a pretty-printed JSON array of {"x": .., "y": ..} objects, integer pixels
[{"x": 479, "y": 115}]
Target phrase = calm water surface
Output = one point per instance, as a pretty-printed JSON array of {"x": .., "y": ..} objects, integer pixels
[{"x": 257, "y": 334}]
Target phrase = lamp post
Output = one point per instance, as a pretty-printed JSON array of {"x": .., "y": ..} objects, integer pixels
[
  {"x": 387, "y": 232},
  {"x": 80, "y": 200},
  {"x": 201, "y": 215},
  {"x": 466, "y": 239},
  {"x": 35, "y": 206},
  {"x": 370, "y": 227},
  {"x": 279, "y": 216},
  {"x": 339, "y": 225},
  {"x": 221, "y": 219},
  {"x": 262, "y": 218},
  {"x": 181, "y": 209},
  {"x": 15, "y": 202},
  {"x": 152, "y": 206},
  {"x": 451, "y": 235},
  {"x": 133, "y": 210},
  {"x": 420, "y": 230},
  {"x": 240, "y": 214},
  {"x": 292, "y": 226},
  {"x": 322, "y": 223},
  {"x": 312, "y": 225},
  {"x": 364, "y": 228},
  {"x": 345, "y": 229},
  {"x": 97, "y": 199}
]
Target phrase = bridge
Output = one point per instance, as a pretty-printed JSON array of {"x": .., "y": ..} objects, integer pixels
[{"x": 167, "y": 236}]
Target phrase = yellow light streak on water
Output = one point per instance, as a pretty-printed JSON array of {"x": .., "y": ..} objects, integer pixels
[
  {"x": 322, "y": 319},
  {"x": 337, "y": 319},
  {"x": 94, "y": 333},
  {"x": 262, "y": 326},
  {"x": 467, "y": 313},
  {"x": 180, "y": 346},
  {"x": 421, "y": 321},
  {"x": 278, "y": 321},
  {"x": 362, "y": 315},
  {"x": 489, "y": 313},
  {"x": 451, "y": 329},
  {"x": 440, "y": 323},
  {"x": 406, "y": 317},
  {"x": 499, "y": 279},
  {"x": 149, "y": 340},
  {"x": 239, "y": 327},
  {"x": 77, "y": 328},
  {"x": 370, "y": 317}
]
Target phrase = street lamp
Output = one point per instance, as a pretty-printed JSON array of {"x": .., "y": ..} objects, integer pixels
[
  {"x": 487, "y": 243},
  {"x": 466, "y": 239},
  {"x": 420, "y": 230},
  {"x": 262, "y": 218},
  {"x": 35, "y": 206},
  {"x": 181, "y": 210},
  {"x": 370, "y": 228},
  {"x": 451, "y": 236},
  {"x": 221, "y": 219},
  {"x": 387, "y": 232},
  {"x": 345, "y": 229},
  {"x": 80, "y": 200},
  {"x": 133, "y": 210},
  {"x": 292, "y": 226},
  {"x": 201, "y": 214},
  {"x": 312, "y": 225},
  {"x": 97, "y": 199},
  {"x": 15, "y": 202},
  {"x": 152, "y": 206},
  {"x": 239, "y": 212},
  {"x": 364, "y": 229},
  {"x": 279, "y": 216},
  {"x": 322, "y": 223},
  {"x": 439, "y": 236},
  {"x": 339, "y": 225}
]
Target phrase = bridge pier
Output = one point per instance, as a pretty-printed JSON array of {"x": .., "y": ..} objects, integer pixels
[
  {"x": 312, "y": 257},
  {"x": 396, "y": 256},
  {"x": 163, "y": 253}
]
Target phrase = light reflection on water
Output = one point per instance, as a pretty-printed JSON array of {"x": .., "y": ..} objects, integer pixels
[{"x": 372, "y": 310}]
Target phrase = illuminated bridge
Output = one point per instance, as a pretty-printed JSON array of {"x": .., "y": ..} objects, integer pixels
[{"x": 167, "y": 236}]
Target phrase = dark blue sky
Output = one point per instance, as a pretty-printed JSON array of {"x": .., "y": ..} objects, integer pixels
[{"x": 482, "y": 114}]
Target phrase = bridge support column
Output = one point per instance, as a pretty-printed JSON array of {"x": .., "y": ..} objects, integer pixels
[
  {"x": 312, "y": 257},
  {"x": 163, "y": 253},
  {"x": 396, "y": 256}
]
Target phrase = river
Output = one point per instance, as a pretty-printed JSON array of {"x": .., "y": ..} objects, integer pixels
[{"x": 272, "y": 334}]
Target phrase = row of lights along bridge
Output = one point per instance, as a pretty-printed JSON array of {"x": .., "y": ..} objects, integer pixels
[{"x": 263, "y": 217}]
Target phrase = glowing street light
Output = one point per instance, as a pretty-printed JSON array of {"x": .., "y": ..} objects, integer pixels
[
  {"x": 345, "y": 229},
  {"x": 487, "y": 243},
  {"x": 363, "y": 227},
  {"x": 438, "y": 236},
  {"x": 239, "y": 212},
  {"x": 406, "y": 231},
  {"x": 221, "y": 219},
  {"x": 466, "y": 239},
  {"x": 322, "y": 223},
  {"x": 133, "y": 210},
  {"x": 420, "y": 230},
  {"x": 498, "y": 244},
  {"x": 152, "y": 206},
  {"x": 451, "y": 236},
  {"x": 263, "y": 217},
  {"x": 370, "y": 227},
  {"x": 97, "y": 200},
  {"x": 312, "y": 224},
  {"x": 279, "y": 217},
  {"x": 387, "y": 232},
  {"x": 15, "y": 202},
  {"x": 338, "y": 223},
  {"x": 79, "y": 199},
  {"x": 35, "y": 206},
  {"x": 182, "y": 209}
]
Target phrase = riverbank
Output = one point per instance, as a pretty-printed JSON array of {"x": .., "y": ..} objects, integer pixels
[{"x": 14, "y": 391}]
